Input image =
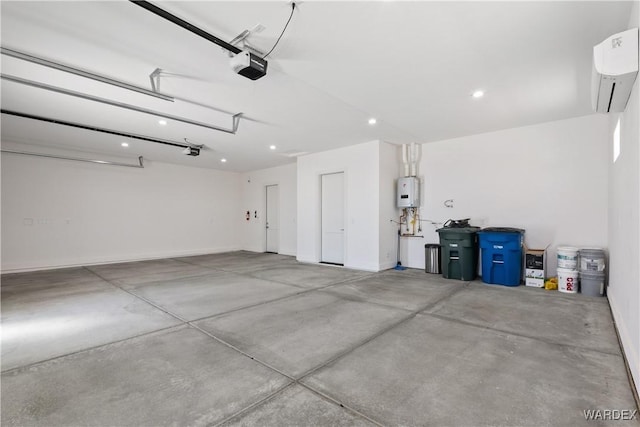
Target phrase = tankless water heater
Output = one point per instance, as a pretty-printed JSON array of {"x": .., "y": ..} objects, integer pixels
[{"x": 408, "y": 192}]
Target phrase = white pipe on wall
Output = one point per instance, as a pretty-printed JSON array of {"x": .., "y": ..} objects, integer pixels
[
  {"x": 413, "y": 158},
  {"x": 405, "y": 163}
]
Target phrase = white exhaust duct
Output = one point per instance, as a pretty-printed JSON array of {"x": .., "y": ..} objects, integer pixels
[
  {"x": 410, "y": 159},
  {"x": 405, "y": 160},
  {"x": 414, "y": 158}
]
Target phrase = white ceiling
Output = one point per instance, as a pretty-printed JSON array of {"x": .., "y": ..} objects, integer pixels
[{"x": 412, "y": 65}]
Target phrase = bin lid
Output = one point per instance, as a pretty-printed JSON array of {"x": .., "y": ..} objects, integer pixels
[
  {"x": 457, "y": 223},
  {"x": 502, "y": 230},
  {"x": 458, "y": 230},
  {"x": 432, "y": 245}
]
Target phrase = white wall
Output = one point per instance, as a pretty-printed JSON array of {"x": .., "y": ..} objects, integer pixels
[
  {"x": 550, "y": 179},
  {"x": 360, "y": 164},
  {"x": 624, "y": 225},
  {"x": 389, "y": 172},
  {"x": 83, "y": 213},
  {"x": 254, "y": 199}
]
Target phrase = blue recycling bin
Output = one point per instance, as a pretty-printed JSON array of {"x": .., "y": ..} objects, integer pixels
[{"x": 501, "y": 255}]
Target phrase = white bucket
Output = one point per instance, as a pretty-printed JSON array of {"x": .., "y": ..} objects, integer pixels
[
  {"x": 567, "y": 281},
  {"x": 592, "y": 259},
  {"x": 567, "y": 257}
]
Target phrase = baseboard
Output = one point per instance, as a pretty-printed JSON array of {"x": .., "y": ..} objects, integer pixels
[
  {"x": 114, "y": 260},
  {"x": 629, "y": 353},
  {"x": 387, "y": 265},
  {"x": 372, "y": 268},
  {"x": 287, "y": 253}
]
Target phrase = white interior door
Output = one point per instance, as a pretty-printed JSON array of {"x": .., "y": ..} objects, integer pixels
[
  {"x": 272, "y": 222},
  {"x": 333, "y": 218}
]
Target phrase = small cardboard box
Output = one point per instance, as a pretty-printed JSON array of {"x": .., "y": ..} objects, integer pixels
[{"x": 534, "y": 263}]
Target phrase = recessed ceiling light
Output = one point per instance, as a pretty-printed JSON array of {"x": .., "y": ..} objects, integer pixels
[
  {"x": 478, "y": 94},
  {"x": 125, "y": 144},
  {"x": 272, "y": 147},
  {"x": 162, "y": 122},
  {"x": 372, "y": 121},
  {"x": 223, "y": 160}
]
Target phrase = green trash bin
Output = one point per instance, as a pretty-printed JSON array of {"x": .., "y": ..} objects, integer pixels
[{"x": 459, "y": 252}]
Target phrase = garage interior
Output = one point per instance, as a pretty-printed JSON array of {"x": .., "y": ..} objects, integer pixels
[{"x": 202, "y": 219}]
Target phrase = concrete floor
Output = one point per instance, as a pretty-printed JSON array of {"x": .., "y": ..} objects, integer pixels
[{"x": 259, "y": 339}]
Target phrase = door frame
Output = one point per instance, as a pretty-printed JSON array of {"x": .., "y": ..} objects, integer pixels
[
  {"x": 263, "y": 224},
  {"x": 343, "y": 171}
]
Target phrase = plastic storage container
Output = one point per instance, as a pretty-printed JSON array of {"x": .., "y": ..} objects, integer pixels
[
  {"x": 459, "y": 252},
  {"x": 592, "y": 283},
  {"x": 568, "y": 257},
  {"x": 567, "y": 281},
  {"x": 432, "y": 258},
  {"x": 501, "y": 255},
  {"x": 592, "y": 259}
]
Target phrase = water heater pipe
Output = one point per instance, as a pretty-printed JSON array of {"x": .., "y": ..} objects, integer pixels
[
  {"x": 413, "y": 158},
  {"x": 405, "y": 163}
]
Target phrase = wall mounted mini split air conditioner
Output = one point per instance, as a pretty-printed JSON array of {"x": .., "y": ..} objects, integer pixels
[{"x": 615, "y": 67}]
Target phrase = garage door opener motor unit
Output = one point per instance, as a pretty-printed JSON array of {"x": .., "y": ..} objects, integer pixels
[{"x": 249, "y": 65}]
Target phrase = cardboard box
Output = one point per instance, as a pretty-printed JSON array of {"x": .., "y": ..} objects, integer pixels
[
  {"x": 534, "y": 259},
  {"x": 534, "y": 263},
  {"x": 534, "y": 278}
]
